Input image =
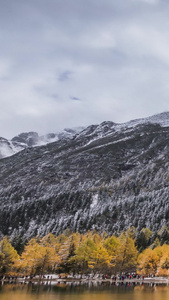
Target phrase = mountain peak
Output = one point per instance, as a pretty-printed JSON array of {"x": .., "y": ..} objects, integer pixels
[
  {"x": 92, "y": 132},
  {"x": 161, "y": 119},
  {"x": 107, "y": 177}
]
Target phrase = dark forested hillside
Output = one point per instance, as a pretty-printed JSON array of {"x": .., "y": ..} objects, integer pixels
[{"x": 107, "y": 177}]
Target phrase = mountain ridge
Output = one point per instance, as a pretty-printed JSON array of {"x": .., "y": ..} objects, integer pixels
[
  {"x": 106, "y": 177},
  {"x": 32, "y": 139}
]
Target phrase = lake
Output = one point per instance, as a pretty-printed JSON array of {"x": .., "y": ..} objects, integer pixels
[{"x": 83, "y": 292}]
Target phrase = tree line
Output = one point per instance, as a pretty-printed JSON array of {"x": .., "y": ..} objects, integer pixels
[{"x": 87, "y": 253}]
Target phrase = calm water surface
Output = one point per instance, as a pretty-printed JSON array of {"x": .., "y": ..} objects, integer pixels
[{"x": 33, "y": 292}]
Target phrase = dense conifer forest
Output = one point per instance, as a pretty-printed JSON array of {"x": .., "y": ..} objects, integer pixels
[{"x": 75, "y": 253}]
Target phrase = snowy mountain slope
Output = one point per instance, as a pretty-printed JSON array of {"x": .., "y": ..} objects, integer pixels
[
  {"x": 161, "y": 119},
  {"x": 32, "y": 139},
  {"x": 106, "y": 128},
  {"x": 8, "y": 148},
  {"x": 105, "y": 177}
]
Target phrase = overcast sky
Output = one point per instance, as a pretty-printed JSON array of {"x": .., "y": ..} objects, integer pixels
[{"x": 67, "y": 63}]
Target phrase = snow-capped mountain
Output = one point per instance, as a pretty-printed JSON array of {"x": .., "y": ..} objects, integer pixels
[
  {"x": 106, "y": 177},
  {"x": 32, "y": 139},
  {"x": 8, "y": 148}
]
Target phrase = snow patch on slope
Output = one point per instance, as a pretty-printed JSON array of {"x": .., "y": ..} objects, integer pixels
[{"x": 94, "y": 201}]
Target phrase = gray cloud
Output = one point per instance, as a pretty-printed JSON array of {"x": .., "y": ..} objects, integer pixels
[
  {"x": 54, "y": 96},
  {"x": 65, "y": 76},
  {"x": 75, "y": 98},
  {"x": 4, "y": 78},
  {"x": 112, "y": 54}
]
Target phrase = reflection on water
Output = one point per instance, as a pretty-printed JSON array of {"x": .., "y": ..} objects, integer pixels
[{"x": 83, "y": 292}]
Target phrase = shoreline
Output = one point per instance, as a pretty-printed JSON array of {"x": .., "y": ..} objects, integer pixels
[{"x": 57, "y": 281}]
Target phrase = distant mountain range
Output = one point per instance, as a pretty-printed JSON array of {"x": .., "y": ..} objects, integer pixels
[
  {"x": 105, "y": 177},
  {"x": 32, "y": 139}
]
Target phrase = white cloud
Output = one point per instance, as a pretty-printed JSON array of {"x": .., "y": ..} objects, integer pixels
[
  {"x": 151, "y": 1},
  {"x": 146, "y": 1},
  {"x": 149, "y": 42},
  {"x": 112, "y": 55}
]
